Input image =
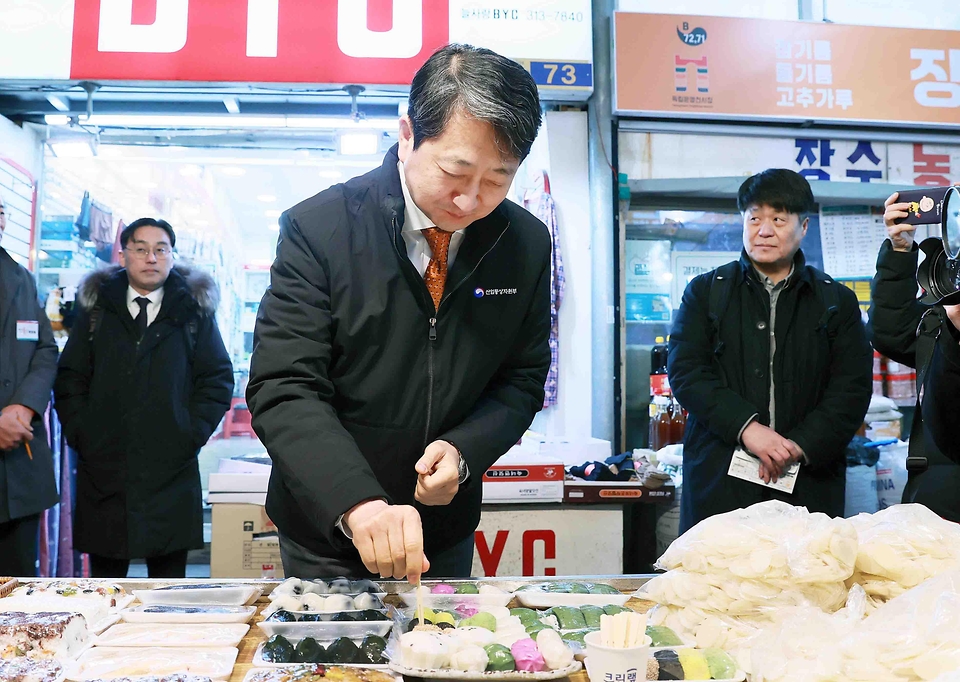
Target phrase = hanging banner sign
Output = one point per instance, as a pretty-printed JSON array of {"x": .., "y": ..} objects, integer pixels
[
  {"x": 749, "y": 69},
  {"x": 380, "y": 42}
]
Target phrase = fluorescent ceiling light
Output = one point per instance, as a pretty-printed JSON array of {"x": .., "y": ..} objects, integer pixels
[
  {"x": 273, "y": 213},
  {"x": 235, "y": 171},
  {"x": 359, "y": 143},
  {"x": 266, "y": 198},
  {"x": 236, "y": 121},
  {"x": 72, "y": 150},
  {"x": 59, "y": 102},
  {"x": 56, "y": 119}
]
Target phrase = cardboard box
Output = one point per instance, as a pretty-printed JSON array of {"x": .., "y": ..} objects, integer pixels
[
  {"x": 519, "y": 476},
  {"x": 238, "y": 483},
  {"x": 245, "y": 543},
  {"x": 258, "y": 499},
  {"x": 577, "y": 491},
  {"x": 569, "y": 451}
]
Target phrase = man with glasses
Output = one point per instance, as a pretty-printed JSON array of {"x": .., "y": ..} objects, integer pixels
[
  {"x": 142, "y": 383},
  {"x": 29, "y": 363}
]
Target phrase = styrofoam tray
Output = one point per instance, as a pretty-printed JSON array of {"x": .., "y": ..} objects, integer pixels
[
  {"x": 278, "y": 674},
  {"x": 260, "y": 663},
  {"x": 173, "y": 634},
  {"x": 104, "y": 623},
  {"x": 546, "y": 600},
  {"x": 452, "y": 601},
  {"x": 109, "y": 662},
  {"x": 147, "y": 613},
  {"x": 223, "y": 595},
  {"x": 461, "y": 675},
  {"x": 326, "y": 615},
  {"x": 353, "y": 595},
  {"x": 106, "y": 662},
  {"x": 326, "y": 629}
]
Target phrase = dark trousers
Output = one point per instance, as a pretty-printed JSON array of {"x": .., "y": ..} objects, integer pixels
[
  {"x": 173, "y": 565},
  {"x": 19, "y": 541},
  {"x": 300, "y": 562}
]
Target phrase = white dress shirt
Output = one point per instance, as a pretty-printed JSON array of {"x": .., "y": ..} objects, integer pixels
[
  {"x": 414, "y": 222},
  {"x": 153, "y": 308}
]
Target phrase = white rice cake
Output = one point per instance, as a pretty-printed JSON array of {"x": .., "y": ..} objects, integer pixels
[
  {"x": 43, "y": 635},
  {"x": 110, "y": 662},
  {"x": 25, "y": 669},
  {"x": 94, "y": 610},
  {"x": 173, "y": 634}
]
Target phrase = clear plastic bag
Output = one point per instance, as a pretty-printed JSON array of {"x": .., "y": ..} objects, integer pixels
[
  {"x": 902, "y": 546},
  {"x": 736, "y": 597},
  {"x": 770, "y": 541}
]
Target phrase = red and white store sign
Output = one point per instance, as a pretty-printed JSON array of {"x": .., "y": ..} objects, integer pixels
[
  {"x": 549, "y": 541},
  {"x": 277, "y": 41}
]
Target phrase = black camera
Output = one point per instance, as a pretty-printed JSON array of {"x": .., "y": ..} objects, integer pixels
[{"x": 939, "y": 273}]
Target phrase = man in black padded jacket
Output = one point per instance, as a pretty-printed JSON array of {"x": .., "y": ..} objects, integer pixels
[
  {"x": 895, "y": 317},
  {"x": 402, "y": 346}
]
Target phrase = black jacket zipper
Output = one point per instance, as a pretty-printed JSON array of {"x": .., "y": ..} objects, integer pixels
[{"x": 432, "y": 334}]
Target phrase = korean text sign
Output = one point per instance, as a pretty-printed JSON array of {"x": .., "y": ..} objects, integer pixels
[{"x": 752, "y": 69}]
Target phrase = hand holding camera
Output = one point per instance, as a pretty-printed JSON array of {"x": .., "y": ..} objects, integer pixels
[
  {"x": 939, "y": 273},
  {"x": 900, "y": 234}
]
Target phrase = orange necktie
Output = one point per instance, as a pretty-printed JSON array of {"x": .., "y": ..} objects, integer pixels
[{"x": 435, "y": 276}]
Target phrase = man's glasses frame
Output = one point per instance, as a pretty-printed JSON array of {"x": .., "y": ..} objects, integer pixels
[{"x": 160, "y": 252}]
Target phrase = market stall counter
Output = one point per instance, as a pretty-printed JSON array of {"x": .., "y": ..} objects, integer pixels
[{"x": 258, "y": 630}]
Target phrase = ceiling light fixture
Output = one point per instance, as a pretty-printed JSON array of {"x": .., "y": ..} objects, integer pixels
[
  {"x": 56, "y": 119},
  {"x": 356, "y": 144}
]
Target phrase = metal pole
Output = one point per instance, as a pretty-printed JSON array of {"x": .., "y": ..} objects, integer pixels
[{"x": 602, "y": 237}]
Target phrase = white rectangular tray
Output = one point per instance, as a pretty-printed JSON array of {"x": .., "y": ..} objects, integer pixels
[
  {"x": 223, "y": 595},
  {"x": 173, "y": 635},
  {"x": 152, "y": 613},
  {"x": 461, "y": 675},
  {"x": 326, "y": 629},
  {"x": 106, "y": 662},
  {"x": 282, "y": 674}
]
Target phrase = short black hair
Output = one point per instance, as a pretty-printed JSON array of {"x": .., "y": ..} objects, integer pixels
[
  {"x": 128, "y": 231},
  {"x": 778, "y": 188},
  {"x": 481, "y": 84}
]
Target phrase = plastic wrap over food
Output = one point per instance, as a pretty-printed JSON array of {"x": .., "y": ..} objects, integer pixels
[
  {"x": 902, "y": 546},
  {"x": 708, "y": 629},
  {"x": 733, "y": 596},
  {"x": 771, "y": 541},
  {"x": 802, "y": 645},
  {"x": 913, "y": 637}
]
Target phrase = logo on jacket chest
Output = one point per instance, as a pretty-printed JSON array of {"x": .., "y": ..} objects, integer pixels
[{"x": 480, "y": 292}]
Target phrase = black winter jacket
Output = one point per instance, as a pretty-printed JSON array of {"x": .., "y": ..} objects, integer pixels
[
  {"x": 354, "y": 372},
  {"x": 940, "y": 408},
  {"x": 27, "y": 369},
  {"x": 137, "y": 414},
  {"x": 823, "y": 387},
  {"x": 894, "y": 317}
]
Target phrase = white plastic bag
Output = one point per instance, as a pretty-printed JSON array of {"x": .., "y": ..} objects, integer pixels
[
  {"x": 892, "y": 474},
  {"x": 861, "y": 492}
]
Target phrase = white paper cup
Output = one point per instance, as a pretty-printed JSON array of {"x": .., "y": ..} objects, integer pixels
[{"x": 608, "y": 664}]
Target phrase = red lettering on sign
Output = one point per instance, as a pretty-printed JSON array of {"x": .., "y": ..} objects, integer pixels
[
  {"x": 287, "y": 41},
  {"x": 932, "y": 170},
  {"x": 549, "y": 540},
  {"x": 490, "y": 560}
]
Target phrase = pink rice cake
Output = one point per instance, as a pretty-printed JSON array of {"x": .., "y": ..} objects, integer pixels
[{"x": 42, "y": 635}]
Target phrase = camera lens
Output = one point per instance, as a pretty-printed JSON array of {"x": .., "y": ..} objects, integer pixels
[{"x": 951, "y": 223}]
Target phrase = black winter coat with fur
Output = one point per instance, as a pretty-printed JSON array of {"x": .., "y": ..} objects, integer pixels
[{"x": 138, "y": 413}]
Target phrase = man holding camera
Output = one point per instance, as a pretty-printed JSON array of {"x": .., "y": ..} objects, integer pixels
[{"x": 926, "y": 338}]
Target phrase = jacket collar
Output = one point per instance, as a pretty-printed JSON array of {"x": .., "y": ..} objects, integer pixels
[{"x": 801, "y": 274}]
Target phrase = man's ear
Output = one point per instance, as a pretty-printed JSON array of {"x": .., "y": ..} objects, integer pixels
[{"x": 405, "y": 138}]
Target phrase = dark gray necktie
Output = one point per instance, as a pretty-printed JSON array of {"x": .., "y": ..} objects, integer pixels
[{"x": 142, "y": 316}]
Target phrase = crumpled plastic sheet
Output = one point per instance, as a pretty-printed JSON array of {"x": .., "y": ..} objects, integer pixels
[
  {"x": 732, "y": 596},
  {"x": 901, "y": 547},
  {"x": 770, "y": 541}
]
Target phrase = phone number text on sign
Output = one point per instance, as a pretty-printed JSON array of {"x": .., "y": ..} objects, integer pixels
[{"x": 500, "y": 14}]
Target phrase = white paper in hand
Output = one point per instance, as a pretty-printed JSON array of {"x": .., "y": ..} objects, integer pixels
[{"x": 746, "y": 467}]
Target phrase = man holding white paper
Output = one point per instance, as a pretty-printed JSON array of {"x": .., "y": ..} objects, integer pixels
[{"x": 770, "y": 358}]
